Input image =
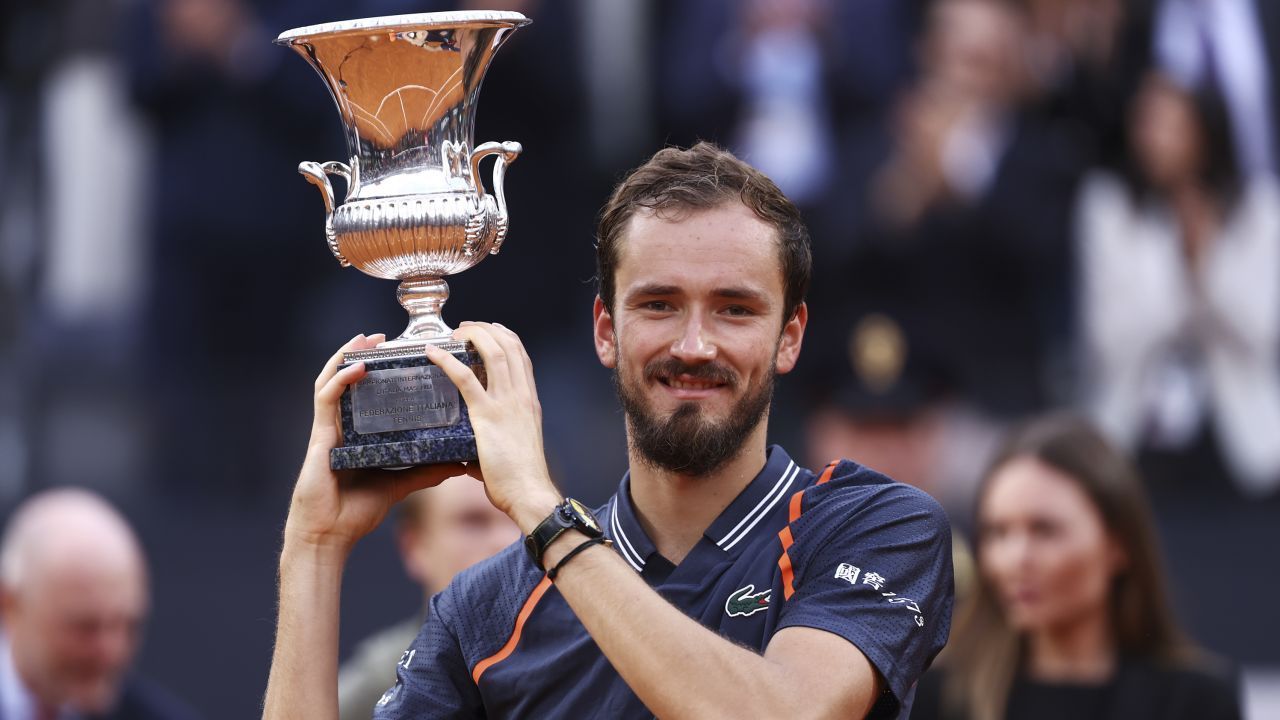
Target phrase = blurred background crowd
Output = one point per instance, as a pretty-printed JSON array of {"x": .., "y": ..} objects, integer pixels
[{"x": 1017, "y": 206}]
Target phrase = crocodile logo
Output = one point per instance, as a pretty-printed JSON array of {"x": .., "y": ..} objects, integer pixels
[{"x": 746, "y": 601}]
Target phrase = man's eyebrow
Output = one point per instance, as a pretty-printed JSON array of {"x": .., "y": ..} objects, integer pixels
[
  {"x": 739, "y": 293},
  {"x": 733, "y": 293},
  {"x": 654, "y": 289}
]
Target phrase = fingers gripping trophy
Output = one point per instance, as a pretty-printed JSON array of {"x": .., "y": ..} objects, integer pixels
[{"x": 415, "y": 210}]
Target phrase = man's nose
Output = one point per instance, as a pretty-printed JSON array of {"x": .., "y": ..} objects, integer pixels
[
  {"x": 694, "y": 344},
  {"x": 114, "y": 645}
]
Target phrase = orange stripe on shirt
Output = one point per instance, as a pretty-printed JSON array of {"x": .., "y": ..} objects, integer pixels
[
  {"x": 514, "y": 640},
  {"x": 787, "y": 540},
  {"x": 795, "y": 507},
  {"x": 784, "y": 564},
  {"x": 826, "y": 474}
]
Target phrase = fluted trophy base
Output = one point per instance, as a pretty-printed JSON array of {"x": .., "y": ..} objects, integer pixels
[{"x": 405, "y": 411}]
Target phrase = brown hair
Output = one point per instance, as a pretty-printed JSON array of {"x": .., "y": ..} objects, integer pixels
[
  {"x": 704, "y": 177},
  {"x": 986, "y": 652}
]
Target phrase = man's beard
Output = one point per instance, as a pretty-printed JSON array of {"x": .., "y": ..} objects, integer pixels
[{"x": 688, "y": 443}]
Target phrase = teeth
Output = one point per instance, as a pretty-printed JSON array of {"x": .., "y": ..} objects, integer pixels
[{"x": 681, "y": 385}]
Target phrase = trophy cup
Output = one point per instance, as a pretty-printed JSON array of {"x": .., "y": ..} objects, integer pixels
[{"x": 415, "y": 210}]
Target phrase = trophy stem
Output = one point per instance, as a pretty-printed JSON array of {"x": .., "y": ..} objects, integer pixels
[{"x": 422, "y": 298}]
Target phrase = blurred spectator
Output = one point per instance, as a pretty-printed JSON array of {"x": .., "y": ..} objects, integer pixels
[
  {"x": 878, "y": 401},
  {"x": 73, "y": 599},
  {"x": 1070, "y": 617},
  {"x": 1180, "y": 304},
  {"x": 778, "y": 80},
  {"x": 238, "y": 258},
  {"x": 441, "y": 532},
  {"x": 965, "y": 241},
  {"x": 1234, "y": 46},
  {"x": 70, "y": 239},
  {"x": 784, "y": 124},
  {"x": 616, "y": 40},
  {"x": 1086, "y": 57},
  {"x": 955, "y": 123}
]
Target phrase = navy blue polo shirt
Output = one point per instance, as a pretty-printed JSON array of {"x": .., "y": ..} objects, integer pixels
[{"x": 847, "y": 550}]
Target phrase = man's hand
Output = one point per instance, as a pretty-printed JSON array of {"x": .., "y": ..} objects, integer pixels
[
  {"x": 507, "y": 419},
  {"x": 334, "y": 509},
  {"x": 329, "y": 513}
]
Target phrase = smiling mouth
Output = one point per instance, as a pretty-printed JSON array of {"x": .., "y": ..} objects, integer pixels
[
  {"x": 689, "y": 384},
  {"x": 690, "y": 381}
]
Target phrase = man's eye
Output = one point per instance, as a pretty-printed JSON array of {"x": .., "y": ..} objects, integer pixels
[
  {"x": 657, "y": 306},
  {"x": 1045, "y": 529},
  {"x": 992, "y": 532},
  {"x": 738, "y": 311}
]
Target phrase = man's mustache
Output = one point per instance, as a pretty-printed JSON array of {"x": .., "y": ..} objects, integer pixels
[{"x": 708, "y": 372}]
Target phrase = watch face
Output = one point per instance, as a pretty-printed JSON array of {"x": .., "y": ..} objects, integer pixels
[{"x": 587, "y": 518}]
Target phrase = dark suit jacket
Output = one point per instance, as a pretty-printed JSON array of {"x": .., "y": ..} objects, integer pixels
[
  {"x": 143, "y": 699},
  {"x": 1140, "y": 690}
]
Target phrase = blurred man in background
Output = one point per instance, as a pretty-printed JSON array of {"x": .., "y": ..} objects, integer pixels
[
  {"x": 73, "y": 598},
  {"x": 441, "y": 531}
]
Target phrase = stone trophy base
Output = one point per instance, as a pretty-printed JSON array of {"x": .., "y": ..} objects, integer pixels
[{"x": 405, "y": 411}]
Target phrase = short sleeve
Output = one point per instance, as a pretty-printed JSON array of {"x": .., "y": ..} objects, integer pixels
[
  {"x": 432, "y": 680},
  {"x": 872, "y": 564}
]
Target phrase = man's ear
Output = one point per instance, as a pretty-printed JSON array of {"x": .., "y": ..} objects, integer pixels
[
  {"x": 407, "y": 542},
  {"x": 606, "y": 344},
  {"x": 789, "y": 342}
]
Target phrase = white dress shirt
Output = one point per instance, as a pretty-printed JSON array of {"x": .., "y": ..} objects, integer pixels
[{"x": 1161, "y": 355}]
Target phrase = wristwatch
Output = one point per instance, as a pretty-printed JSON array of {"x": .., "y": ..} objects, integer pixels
[{"x": 569, "y": 514}]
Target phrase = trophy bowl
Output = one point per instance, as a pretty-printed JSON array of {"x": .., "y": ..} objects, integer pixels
[{"x": 415, "y": 210}]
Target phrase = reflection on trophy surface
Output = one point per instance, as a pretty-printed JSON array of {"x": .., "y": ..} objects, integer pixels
[{"x": 415, "y": 210}]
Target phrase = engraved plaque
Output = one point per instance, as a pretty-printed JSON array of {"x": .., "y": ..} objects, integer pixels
[{"x": 404, "y": 399}]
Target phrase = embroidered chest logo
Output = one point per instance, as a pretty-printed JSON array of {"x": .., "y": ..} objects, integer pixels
[{"x": 746, "y": 601}]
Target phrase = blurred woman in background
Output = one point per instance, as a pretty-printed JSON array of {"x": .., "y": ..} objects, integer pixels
[
  {"x": 1179, "y": 257},
  {"x": 1070, "y": 617}
]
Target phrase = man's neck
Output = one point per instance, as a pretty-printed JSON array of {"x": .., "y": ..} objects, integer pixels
[{"x": 675, "y": 510}]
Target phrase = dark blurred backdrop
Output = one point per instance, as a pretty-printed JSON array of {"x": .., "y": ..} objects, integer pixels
[{"x": 971, "y": 170}]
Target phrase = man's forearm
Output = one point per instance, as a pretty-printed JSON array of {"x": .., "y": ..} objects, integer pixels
[
  {"x": 679, "y": 668},
  {"x": 304, "y": 666}
]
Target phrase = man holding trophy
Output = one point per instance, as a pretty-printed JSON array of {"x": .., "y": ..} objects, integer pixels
[{"x": 722, "y": 578}]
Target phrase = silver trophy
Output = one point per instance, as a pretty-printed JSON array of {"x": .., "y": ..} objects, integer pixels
[{"x": 415, "y": 209}]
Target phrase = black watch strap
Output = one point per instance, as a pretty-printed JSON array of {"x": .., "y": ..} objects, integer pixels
[{"x": 569, "y": 514}]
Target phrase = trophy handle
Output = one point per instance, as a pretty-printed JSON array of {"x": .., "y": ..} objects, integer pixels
[
  {"x": 507, "y": 153},
  {"x": 318, "y": 175}
]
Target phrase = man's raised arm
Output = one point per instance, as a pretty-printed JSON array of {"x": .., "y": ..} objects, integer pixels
[{"x": 329, "y": 513}]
